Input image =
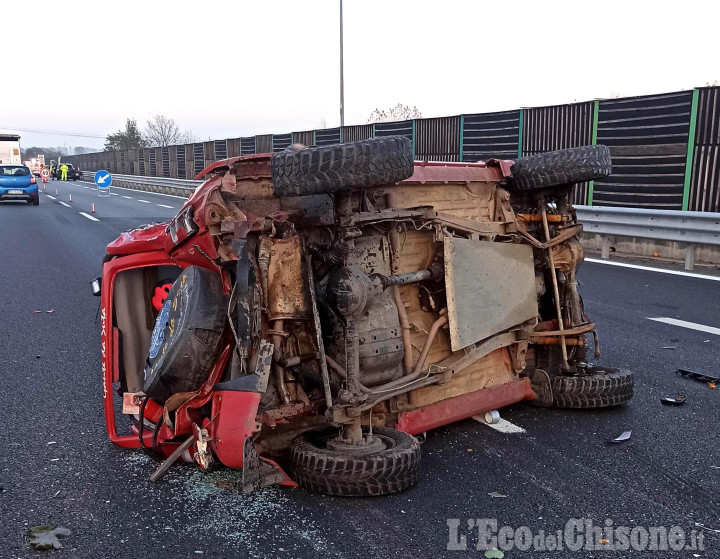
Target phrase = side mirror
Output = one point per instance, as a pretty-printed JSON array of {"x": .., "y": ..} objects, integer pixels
[{"x": 96, "y": 286}]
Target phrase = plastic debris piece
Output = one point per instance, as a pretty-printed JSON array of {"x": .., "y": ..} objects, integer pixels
[
  {"x": 50, "y": 311},
  {"x": 624, "y": 436},
  {"x": 45, "y": 538},
  {"x": 52, "y": 442},
  {"x": 469, "y": 449},
  {"x": 677, "y": 400},
  {"x": 56, "y": 493},
  {"x": 604, "y": 541},
  {"x": 37, "y": 312},
  {"x": 711, "y": 384},
  {"x": 697, "y": 376},
  {"x": 497, "y": 495},
  {"x": 668, "y": 347},
  {"x": 494, "y": 554}
]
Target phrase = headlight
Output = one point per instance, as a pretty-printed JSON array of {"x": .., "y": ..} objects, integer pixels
[{"x": 182, "y": 226}]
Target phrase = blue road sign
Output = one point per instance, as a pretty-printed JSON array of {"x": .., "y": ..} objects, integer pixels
[{"x": 103, "y": 179}]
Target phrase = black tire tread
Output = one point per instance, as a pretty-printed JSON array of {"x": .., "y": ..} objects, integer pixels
[
  {"x": 339, "y": 474},
  {"x": 562, "y": 167},
  {"x": 602, "y": 388},
  {"x": 327, "y": 169}
]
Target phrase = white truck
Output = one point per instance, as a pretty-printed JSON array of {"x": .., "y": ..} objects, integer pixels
[
  {"x": 36, "y": 164},
  {"x": 10, "y": 149}
]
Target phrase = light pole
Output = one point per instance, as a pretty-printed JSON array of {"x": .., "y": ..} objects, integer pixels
[{"x": 342, "y": 82}]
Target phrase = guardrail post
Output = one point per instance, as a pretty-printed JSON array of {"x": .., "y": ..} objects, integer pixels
[
  {"x": 606, "y": 240},
  {"x": 690, "y": 150},
  {"x": 690, "y": 257},
  {"x": 591, "y": 184}
]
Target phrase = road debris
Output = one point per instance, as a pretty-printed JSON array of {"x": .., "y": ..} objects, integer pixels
[
  {"x": 37, "y": 312},
  {"x": 677, "y": 400},
  {"x": 50, "y": 311},
  {"x": 668, "y": 347},
  {"x": 698, "y": 376},
  {"x": 497, "y": 495},
  {"x": 703, "y": 527},
  {"x": 45, "y": 538},
  {"x": 624, "y": 436}
]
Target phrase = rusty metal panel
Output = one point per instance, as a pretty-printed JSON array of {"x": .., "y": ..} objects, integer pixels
[
  {"x": 648, "y": 138},
  {"x": 306, "y": 138},
  {"x": 490, "y": 135},
  {"x": 356, "y": 133},
  {"x": 264, "y": 144},
  {"x": 490, "y": 288},
  {"x": 437, "y": 139},
  {"x": 209, "y": 152},
  {"x": 559, "y": 127},
  {"x": 233, "y": 147},
  {"x": 190, "y": 161},
  {"x": 705, "y": 177},
  {"x": 327, "y": 136},
  {"x": 281, "y": 141},
  {"x": 247, "y": 145},
  {"x": 288, "y": 296},
  {"x": 158, "y": 161}
]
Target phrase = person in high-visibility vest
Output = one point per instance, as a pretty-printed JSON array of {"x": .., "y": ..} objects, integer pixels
[
  {"x": 63, "y": 172},
  {"x": 51, "y": 169}
]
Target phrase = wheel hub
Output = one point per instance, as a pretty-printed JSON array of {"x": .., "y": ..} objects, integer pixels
[{"x": 368, "y": 445}]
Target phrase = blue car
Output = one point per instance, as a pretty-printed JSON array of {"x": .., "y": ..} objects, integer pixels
[{"x": 18, "y": 183}]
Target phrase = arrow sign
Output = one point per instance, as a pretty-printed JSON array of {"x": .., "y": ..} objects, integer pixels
[{"x": 103, "y": 179}]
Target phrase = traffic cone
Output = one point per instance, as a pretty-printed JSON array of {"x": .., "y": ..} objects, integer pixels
[
  {"x": 71, "y": 197},
  {"x": 56, "y": 192},
  {"x": 92, "y": 211}
]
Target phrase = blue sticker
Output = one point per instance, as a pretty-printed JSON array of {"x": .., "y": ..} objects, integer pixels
[{"x": 158, "y": 334}]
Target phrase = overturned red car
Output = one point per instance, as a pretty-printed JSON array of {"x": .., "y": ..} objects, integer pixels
[{"x": 307, "y": 312}]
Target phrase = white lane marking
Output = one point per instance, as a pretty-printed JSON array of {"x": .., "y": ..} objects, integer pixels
[
  {"x": 150, "y": 193},
  {"x": 51, "y": 197},
  {"x": 649, "y": 269},
  {"x": 144, "y": 201},
  {"x": 685, "y": 324},
  {"x": 64, "y": 204},
  {"x": 164, "y": 206},
  {"x": 504, "y": 426},
  {"x": 86, "y": 187},
  {"x": 113, "y": 194},
  {"x": 128, "y": 197},
  {"x": 91, "y": 218}
]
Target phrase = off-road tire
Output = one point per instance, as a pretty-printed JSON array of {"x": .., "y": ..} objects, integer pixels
[
  {"x": 320, "y": 170},
  {"x": 562, "y": 167},
  {"x": 600, "y": 389},
  {"x": 321, "y": 470}
]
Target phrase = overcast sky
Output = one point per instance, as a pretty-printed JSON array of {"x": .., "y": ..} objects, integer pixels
[{"x": 240, "y": 68}]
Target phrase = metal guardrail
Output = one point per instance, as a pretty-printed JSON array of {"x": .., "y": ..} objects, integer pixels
[
  {"x": 185, "y": 187},
  {"x": 692, "y": 228}
]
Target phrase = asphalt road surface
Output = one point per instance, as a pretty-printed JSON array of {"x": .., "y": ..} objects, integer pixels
[{"x": 59, "y": 468}]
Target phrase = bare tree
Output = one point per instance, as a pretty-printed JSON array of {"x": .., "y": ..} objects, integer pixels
[
  {"x": 189, "y": 137},
  {"x": 323, "y": 123},
  {"x": 398, "y": 112},
  {"x": 163, "y": 131}
]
